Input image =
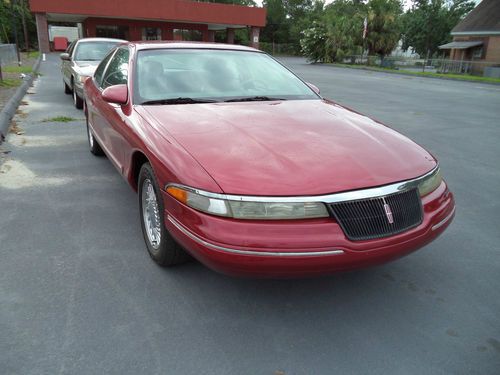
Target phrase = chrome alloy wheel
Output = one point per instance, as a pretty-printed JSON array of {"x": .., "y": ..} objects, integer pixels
[
  {"x": 151, "y": 214},
  {"x": 74, "y": 96},
  {"x": 91, "y": 137}
]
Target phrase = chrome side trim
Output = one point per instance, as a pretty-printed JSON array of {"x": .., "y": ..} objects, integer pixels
[
  {"x": 330, "y": 198},
  {"x": 445, "y": 220},
  {"x": 249, "y": 252}
]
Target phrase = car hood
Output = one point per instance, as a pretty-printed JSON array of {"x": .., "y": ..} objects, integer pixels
[
  {"x": 290, "y": 148},
  {"x": 86, "y": 68}
]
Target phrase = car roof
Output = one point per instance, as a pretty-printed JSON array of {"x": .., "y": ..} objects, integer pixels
[
  {"x": 101, "y": 40},
  {"x": 164, "y": 44}
]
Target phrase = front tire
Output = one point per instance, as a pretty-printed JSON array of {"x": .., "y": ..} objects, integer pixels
[
  {"x": 67, "y": 89},
  {"x": 77, "y": 101},
  {"x": 93, "y": 145},
  {"x": 160, "y": 244}
]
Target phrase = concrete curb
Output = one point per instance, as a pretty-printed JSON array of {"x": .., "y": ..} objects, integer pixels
[
  {"x": 10, "y": 108},
  {"x": 367, "y": 69}
]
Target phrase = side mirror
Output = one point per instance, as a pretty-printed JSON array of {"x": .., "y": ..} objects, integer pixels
[
  {"x": 65, "y": 56},
  {"x": 117, "y": 94},
  {"x": 313, "y": 87}
]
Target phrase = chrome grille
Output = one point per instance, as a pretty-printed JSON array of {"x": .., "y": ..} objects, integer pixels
[{"x": 370, "y": 218}]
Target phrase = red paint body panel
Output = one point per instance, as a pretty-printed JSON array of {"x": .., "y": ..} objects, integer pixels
[
  {"x": 310, "y": 147},
  {"x": 291, "y": 148}
]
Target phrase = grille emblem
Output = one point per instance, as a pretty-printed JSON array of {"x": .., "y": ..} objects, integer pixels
[{"x": 388, "y": 212}]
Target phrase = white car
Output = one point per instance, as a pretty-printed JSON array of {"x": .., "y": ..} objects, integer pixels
[{"x": 80, "y": 61}]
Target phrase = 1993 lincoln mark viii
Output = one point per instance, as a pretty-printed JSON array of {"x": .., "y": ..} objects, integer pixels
[{"x": 241, "y": 164}]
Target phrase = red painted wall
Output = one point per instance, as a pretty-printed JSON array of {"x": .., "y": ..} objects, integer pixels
[{"x": 165, "y": 10}]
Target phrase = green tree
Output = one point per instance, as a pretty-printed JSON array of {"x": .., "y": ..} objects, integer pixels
[
  {"x": 314, "y": 43},
  {"x": 428, "y": 23},
  {"x": 277, "y": 24},
  {"x": 17, "y": 13},
  {"x": 384, "y": 26},
  {"x": 337, "y": 33}
]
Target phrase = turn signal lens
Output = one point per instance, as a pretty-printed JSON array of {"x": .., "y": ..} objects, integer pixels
[
  {"x": 179, "y": 194},
  {"x": 200, "y": 202}
]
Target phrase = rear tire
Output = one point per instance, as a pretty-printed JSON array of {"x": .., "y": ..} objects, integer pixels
[
  {"x": 160, "y": 244},
  {"x": 67, "y": 89}
]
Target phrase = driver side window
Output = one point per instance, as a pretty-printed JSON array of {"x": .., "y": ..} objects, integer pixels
[{"x": 117, "y": 71}]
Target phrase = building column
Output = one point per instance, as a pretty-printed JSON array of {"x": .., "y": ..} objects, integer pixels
[
  {"x": 230, "y": 36},
  {"x": 167, "y": 33},
  {"x": 42, "y": 31},
  {"x": 135, "y": 32},
  {"x": 208, "y": 35},
  {"x": 254, "y": 36}
]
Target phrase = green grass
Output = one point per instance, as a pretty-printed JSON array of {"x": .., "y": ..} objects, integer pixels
[
  {"x": 10, "y": 82},
  {"x": 461, "y": 77},
  {"x": 17, "y": 69},
  {"x": 60, "y": 119},
  {"x": 33, "y": 54}
]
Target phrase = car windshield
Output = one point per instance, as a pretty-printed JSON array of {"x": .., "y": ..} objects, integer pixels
[
  {"x": 188, "y": 76},
  {"x": 93, "y": 51}
]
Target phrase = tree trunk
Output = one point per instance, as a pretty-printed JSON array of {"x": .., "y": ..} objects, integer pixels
[{"x": 25, "y": 27}]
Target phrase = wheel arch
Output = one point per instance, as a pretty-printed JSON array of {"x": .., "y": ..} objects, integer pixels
[{"x": 138, "y": 159}]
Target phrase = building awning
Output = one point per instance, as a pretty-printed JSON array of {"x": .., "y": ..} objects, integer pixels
[{"x": 461, "y": 45}]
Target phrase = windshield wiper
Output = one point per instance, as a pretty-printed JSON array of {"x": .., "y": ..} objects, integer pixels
[
  {"x": 253, "y": 99},
  {"x": 179, "y": 100}
]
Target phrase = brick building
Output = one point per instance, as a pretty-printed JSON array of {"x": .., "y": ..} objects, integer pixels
[
  {"x": 477, "y": 37},
  {"x": 148, "y": 19}
]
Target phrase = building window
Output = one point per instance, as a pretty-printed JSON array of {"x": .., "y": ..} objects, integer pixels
[
  {"x": 477, "y": 53},
  {"x": 151, "y": 33},
  {"x": 112, "y": 31},
  {"x": 188, "y": 35}
]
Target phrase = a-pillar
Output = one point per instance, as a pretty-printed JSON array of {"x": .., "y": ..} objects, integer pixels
[
  {"x": 42, "y": 31},
  {"x": 230, "y": 36},
  {"x": 209, "y": 35},
  {"x": 254, "y": 36}
]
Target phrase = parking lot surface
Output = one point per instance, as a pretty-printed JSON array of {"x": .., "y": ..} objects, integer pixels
[{"x": 80, "y": 295}]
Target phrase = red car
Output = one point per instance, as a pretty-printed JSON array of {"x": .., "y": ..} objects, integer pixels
[{"x": 241, "y": 164}]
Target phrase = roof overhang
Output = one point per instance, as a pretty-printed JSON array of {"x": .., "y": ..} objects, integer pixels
[
  {"x": 475, "y": 33},
  {"x": 461, "y": 45},
  {"x": 60, "y": 17},
  {"x": 180, "y": 11}
]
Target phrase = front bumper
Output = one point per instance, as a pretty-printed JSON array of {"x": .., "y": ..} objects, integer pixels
[{"x": 297, "y": 248}]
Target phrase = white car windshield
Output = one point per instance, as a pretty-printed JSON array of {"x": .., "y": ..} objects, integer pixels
[
  {"x": 93, "y": 51},
  {"x": 176, "y": 76}
]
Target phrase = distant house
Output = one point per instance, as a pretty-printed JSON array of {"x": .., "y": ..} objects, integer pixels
[{"x": 477, "y": 37}]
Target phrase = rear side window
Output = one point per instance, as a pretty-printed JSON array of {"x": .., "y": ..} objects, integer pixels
[
  {"x": 117, "y": 71},
  {"x": 100, "y": 69}
]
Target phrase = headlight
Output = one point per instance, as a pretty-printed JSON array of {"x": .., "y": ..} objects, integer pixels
[
  {"x": 81, "y": 78},
  {"x": 430, "y": 183},
  {"x": 248, "y": 210}
]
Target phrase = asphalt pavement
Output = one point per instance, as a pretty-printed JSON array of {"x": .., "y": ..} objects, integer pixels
[{"x": 80, "y": 295}]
